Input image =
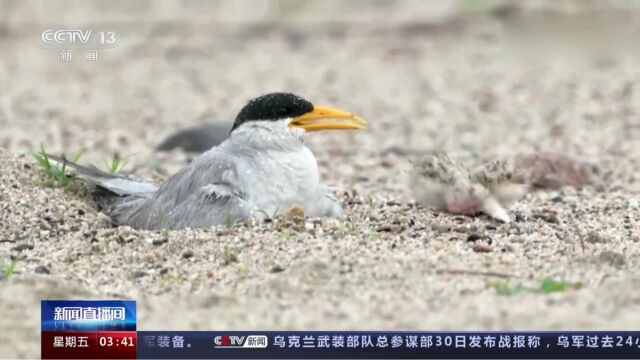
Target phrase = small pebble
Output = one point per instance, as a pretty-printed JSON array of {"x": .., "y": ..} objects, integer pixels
[
  {"x": 276, "y": 269},
  {"x": 331, "y": 224},
  {"x": 309, "y": 227},
  {"x": 22, "y": 247},
  {"x": 612, "y": 258},
  {"x": 557, "y": 199},
  {"x": 550, "y": 218},
  {"x": 41, "y": 269},
  {"x": 139, "y": 273},
  {"x": 44, "y": 225},
  {"x": 594, "y": 237},
  {"x": 159, "y": 241},
  {"x": 481, "y": 247},
  {"x": 442, "y": 228},
  {"x": 474, "y": 237}
]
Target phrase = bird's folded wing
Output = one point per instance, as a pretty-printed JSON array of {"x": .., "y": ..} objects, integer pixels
[
  {"x": 212, "y": 204},
  {"x": 205, "y": 193}
]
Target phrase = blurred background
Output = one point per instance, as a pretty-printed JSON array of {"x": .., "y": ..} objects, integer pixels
[{"x": 451, "y": 75}]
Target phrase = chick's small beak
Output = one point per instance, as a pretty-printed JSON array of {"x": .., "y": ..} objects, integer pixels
[{"x": 316, "y": 120}]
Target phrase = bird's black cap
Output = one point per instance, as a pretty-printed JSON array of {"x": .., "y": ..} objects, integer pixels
[{"x": 273, "y": 106}]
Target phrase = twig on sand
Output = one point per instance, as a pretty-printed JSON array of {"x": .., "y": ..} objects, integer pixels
[{"x": 474, "y": 272}]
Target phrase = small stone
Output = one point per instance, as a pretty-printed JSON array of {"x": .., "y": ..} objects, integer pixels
[
  {"x": 44, "y": 225},
  {"x": 331, "y": 224},
  {"x": 139, "y": 273},
  {"x": 41, "y": 269},
  {"x": 465, "y": 229},
  {"x": 159, "y": 240},
  {"x": 309, "y": 227},
  {"x": 22, "y": 247},
  {"x": 594, "y": 237},
  {"x": 276, "y": 269},
  {"x": 442, "y": 228},
  {"x": 612, "y": 258},
  {"x": 510, "y": 248},
  {"x": 126, "y": 238},
  {"x": 550, "y": 218},
  {"x": 481, "y": 247},
  {"x": 557, "y": 199},
  {"x": 520, "y": 217},
  {"x": 187, "y": 254},
  {"x": 395, "y": 150},
  {"x": 474, "y": 237}
]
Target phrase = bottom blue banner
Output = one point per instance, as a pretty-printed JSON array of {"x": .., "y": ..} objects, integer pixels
[{"x": 385, "y": 345}]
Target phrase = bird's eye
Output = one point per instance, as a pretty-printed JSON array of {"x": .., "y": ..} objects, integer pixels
[{"x": 284, "y": 111}]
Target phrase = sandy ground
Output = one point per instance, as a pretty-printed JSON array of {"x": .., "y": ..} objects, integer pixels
[{"x": 463, "y": 87}]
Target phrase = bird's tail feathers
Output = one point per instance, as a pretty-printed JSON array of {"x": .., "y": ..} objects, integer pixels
[{"x": 121, "y": 185}]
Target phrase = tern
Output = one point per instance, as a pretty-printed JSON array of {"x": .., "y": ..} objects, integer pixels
[
  {"x": 442, "y": 182},
  {"x": 263, "y": 167}
]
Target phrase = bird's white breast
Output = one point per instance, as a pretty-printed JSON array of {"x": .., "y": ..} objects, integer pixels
[
  {"x": 283, "y": 179},
  {"x": 279, "y": 171}
]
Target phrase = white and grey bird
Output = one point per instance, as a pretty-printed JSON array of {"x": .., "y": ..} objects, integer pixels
[
  {"x": 263, "y": 167},
  {"x": 441, "y": 182}
]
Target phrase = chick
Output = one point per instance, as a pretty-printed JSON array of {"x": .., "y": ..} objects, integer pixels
[{"x": 442, "y": 182}]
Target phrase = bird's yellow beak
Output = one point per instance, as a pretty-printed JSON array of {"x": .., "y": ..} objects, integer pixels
[{"x": 315, "y": 120}]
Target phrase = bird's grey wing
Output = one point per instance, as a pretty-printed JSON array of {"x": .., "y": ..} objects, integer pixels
[
  {"x": 212, "y": 204},
  {"x": 201, "y": 194}
]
